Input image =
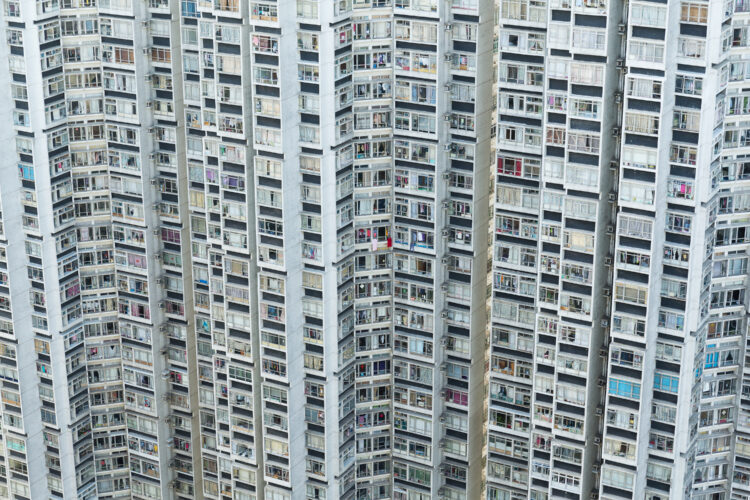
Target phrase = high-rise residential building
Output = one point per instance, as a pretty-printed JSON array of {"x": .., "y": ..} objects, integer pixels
[
  {"x": 676, "y": 410},
  {"x": 245, "y": 248},
  {"x": 620, "y": 259},
  {"x": 374, "y": 249},
  {"x": 556, "y": 85}
]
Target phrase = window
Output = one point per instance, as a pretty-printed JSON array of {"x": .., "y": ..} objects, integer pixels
[
  {"x": 648, "y": 15},
  {"x": 667, "y": 383},
  {"x": 679, "y": 223},
  {"x": 264, "y": 11},
  {"x": 658, "y": 472},
  {"x": 694, "y": 13},
  {"x": 686, "y": 120},
  {"x": 641, "y": 123},
  {"x": 661, "y": 442},
  {"x": 671, "y": 320},
  {"x": 679, "y": 188},
  {"x": 646, "y": 51},
  {"x": 636, "y": 192},
  {"x": 307, "y": 9},
  {"x": 626, "y": 357},
  {"x": 308, "y": 72},
  {"x": 664, "y": 413},
  {"x": 265, "y": 76},
  {"x": 589, "y": 39},
  {"x": 694, "y": 48},
  {"x": 622, "y": 419},
  {"x": 618, "y": 478},
  {"x": 523, "y": 10},
  {"x": 624, "y": 388},
  {"x": 631, "y": 293},
  {"x": 691, "y": 85}
]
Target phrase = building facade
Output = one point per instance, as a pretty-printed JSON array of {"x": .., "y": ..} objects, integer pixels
[
  {"x": 374, "y": 249},
  {"x": 245, "y": 248},
  {"x": 552, "y": 230}
]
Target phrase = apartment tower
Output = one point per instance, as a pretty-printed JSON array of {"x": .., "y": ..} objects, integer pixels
[
  {"x": 244, "y": 247},
  {"x": 620, "y": 256},
  {"x": 374, "y": 249}
]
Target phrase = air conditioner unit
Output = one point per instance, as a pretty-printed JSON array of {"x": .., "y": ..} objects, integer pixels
[
  {"x": 163, "y": 328},
  {"x": 448, "y": 26},
  {"x": 445, "y": 232},
  {"x": 156, "y": 232},
  {"x": 159, "y": 281},
  {"x": 146, "y": 50},
  {"x": 445, "y": 260},
  {"x": 603, "y": 352},
  {"x": 162, "y": 305},
  {"x": 599, "y": 411},
  {"x": 612, "y": 196},
  {"x": 154, "y": 181},
  {"x": 448, "y": 87},
  {"x": 610, "y": 229},
  {"x": 604, "y": 323},
  {"x": 165, "y": 374},
  {"x": 149, "y": 104},
  {"x": 446, "y": 204},
  {"x": 622, "y": 27},
  {"x": 444, "y": 287},
  {"x": 615, "y": 131},
  {"x": 444, "y": 315},
  {"x": 614, "y": 164},
  {"x": 447, "y": 147},
  {"x": 618, "y": 97},
  {"x": 163, "y": 351},
  {"x": 447, "y": 117},
  {"x": 620, "y": 62},
  {"x": 448, "y": 56},
  {"x": 608, "y": 261},
  {"x": 607, "y": 292},
  {"x": 446, "y": 175},
  {"x": 156, "y": 206},
  {"x": 597, "y": 440}
]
